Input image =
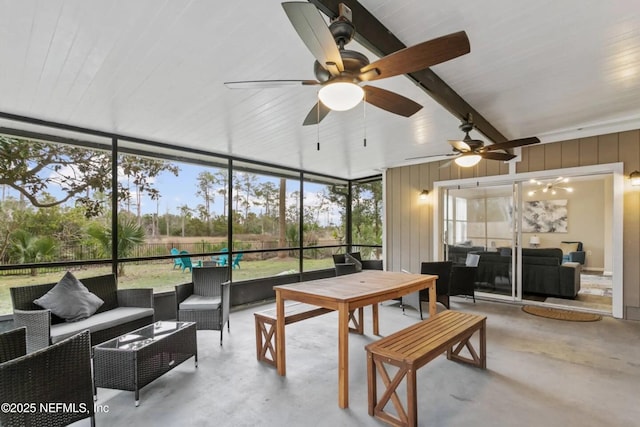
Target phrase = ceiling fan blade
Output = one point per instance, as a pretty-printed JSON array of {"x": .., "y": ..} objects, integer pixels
[
  {"x": 432, "y": 155},
  {"x": 461, "y": 146},
  {"x": 313, "y": 118},
  {"x": 266, "y": 84},
  {"x": 315, "y": 34},
  {"x": 417, "y": 57},
  {"x": 512, "y": 144},
  {"x": 391, "y": 101},
  {"x": 497, "y": 156}
]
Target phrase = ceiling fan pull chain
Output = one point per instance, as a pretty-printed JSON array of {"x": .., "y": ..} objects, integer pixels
[
  {"x": 364, "y": 117},
  {"x": 318, "y": 128}
]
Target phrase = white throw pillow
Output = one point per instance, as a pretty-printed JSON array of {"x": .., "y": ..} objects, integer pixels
[
  {"x": 567, "y": 247},
  {"x": 70, "y": 300}
]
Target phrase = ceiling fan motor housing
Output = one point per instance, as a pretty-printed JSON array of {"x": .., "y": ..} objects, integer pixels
[{"x": 353, "y": 61}]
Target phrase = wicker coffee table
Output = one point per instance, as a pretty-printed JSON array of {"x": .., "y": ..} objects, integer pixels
[{"x": 131, "y": 361}]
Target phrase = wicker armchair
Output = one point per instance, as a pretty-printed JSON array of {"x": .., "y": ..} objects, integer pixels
[
  {"x": 13, "y": 344},
  {"x": 206, "y": 300},
  {"x": 59, "y": 374}
]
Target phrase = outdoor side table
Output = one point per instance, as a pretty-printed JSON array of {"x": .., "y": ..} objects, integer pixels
[{"x": 133, "y": 360}]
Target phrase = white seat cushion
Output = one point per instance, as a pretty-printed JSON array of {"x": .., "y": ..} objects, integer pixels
[
  {"x": 99, "y": 322},
  {"x": 198, "y": 302}
]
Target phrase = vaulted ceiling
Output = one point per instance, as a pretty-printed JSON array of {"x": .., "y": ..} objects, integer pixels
[{"x": 155, "y": 70}]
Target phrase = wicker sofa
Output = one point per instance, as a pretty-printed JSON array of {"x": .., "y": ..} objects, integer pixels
[{"x": 123, "y": 310}]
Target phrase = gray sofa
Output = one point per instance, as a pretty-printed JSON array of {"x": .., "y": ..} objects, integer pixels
[
  {"x": 123, "y": 311},
  {"x": 543, "y": 272}
]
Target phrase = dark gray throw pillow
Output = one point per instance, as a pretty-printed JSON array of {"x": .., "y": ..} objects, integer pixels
[
  {"x": 70, "y": 300},
  {"x": 350, "y": 259}
]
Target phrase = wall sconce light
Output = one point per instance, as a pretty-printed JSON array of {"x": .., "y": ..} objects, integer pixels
[
  {"x": 424, "y": 195},
  {"x": 635, "y": 178}
]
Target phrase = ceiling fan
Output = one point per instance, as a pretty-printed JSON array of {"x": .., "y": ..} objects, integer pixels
[
  {"x": 468, "y": 152},
  {"x": 341, "y": 72}
]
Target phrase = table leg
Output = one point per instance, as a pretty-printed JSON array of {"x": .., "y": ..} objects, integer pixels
[
  {"x": 343, "y": 355},
  {"x": 432, "y": 299},
  {"x": 280, "y": 342},
  {"x": 374, "y": 314}
]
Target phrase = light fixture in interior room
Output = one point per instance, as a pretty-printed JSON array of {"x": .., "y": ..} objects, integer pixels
[
  {"x": 424, "y": 195},
  {"x": 341, "y": 95},
  {"x": 534, "y": 241},
  {"x": 551, "y": 187},
  {"x": 467, "y": 160},
  {"x": 634, "y": 177}
]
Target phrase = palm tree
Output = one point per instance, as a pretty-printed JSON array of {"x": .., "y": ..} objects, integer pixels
[
  {"x": 26, "y": 248},
  {"x": 130, "y": 235}
]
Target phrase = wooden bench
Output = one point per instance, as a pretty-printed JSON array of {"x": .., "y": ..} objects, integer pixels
[
  {"x": 412, "y": 348},
  {"x": 294, "y": 312}
]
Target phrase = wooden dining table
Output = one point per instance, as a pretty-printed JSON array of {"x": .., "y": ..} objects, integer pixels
[{"x": 345, "y": 294}]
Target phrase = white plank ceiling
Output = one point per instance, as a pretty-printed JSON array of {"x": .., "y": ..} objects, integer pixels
[{"x": 155, "y": 70}]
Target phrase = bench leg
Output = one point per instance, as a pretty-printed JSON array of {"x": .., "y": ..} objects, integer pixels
[
  {"x": 412, "y": 398},
  {"x": 265, "y": 341},
  {"x": 258, "y": 338},
  {"x": 372, "y": 383},
  {"x": 480, "y": 360},
  {"x": 376, "y": 407}
]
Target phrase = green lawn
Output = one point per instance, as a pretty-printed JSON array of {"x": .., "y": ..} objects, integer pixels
[{"x": 159, "y": 275}]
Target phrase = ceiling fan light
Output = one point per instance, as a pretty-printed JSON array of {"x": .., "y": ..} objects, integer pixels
[
  {"x": 468, "y": 160},
  {"x": 341, "y": 96}
]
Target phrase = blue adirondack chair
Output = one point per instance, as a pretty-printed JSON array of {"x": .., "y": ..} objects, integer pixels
[
  {"x": 236, "y": 260},
  {"x": 177, "y": 262},
  {"x": 224, "y": 258},
  {"x": 186, "y": 261}
]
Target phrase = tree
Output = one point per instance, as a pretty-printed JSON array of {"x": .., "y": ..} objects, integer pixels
[
  {"x": 130, "y": 235},
  {"x": 206, "y": 190},
  {"x": 282, "y": 211},
  {"x": 26, "y": 248},
  {"x": 242, "y": 192},
  {"x": 222, "y": 178},
  {"x": 36, "y": 169},
  {"x": 11, "y": 220},
  {"x": 266, "y": 194},
  {"x": 367, "y": 213},
  {"x": 185, "y": 213}
]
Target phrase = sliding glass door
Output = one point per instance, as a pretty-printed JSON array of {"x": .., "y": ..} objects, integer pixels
[
  {"x": 480, "y": 230},
  {"x": 544, "y": 240}
]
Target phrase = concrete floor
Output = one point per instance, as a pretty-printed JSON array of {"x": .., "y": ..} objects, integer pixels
[{"x": 540, "y": 372}]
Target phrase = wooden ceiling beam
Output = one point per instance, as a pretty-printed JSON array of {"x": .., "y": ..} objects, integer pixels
[{"x": 372, "y": 34}]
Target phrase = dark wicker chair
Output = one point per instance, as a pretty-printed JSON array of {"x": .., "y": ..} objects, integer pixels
[
  {"x": 463, "y": 281},
  {"x": 345, "y": 268},
  {"x": 443, "y": 270},
  {"x": 39, "y": 321},
  {"x": 367, "y": 264},
  {"x": 60, "y": 373},
  {"x": 13, "y": 344},
  {"x": 206, "y": 300}
]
